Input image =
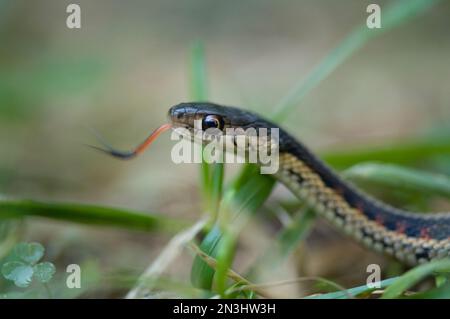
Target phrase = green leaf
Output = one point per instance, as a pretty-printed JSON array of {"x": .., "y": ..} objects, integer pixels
[
  {"x": 404, "y": 152},
  {"x": 216, "y": 189},
  {"x": 44, "y": 271},
  {"x": 399, "y": 177},
  {"x": 18, "y": 272},
  {"x": 89, "y": 214},
  {"x": 198, "y": 72},
  {"x": 198, "y": 92},
  {"x": 201, "y": 273},
  {"x": 249, "y": 190},
  {"x": 225, "y": 255},
  {"x": 414, "y": 276},
  {"x": 442, "y": 292},
  {"x": 252, "y": 194},
  {"x": 290, "y": 237},
  {"x": 395, "y": 14},
  {"x": 441, "y": 280},
  {"x": 285, "y": 242},
  {"x": 29, "y": 253},
  {"x": 352, "y": 291}
]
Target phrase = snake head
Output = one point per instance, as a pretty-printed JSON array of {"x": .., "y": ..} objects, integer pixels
[
  {"x": 210, "y": 116},
  {"x": 217, "y": 120}
]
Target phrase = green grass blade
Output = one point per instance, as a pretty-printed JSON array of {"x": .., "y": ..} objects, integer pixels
[
  {"x": 394, "y": 15},
  {"x": 216, "y": 189},
  {"x": 442, "y": 292},
  {"x": 401, "y": 152},
  {"x": 225, "y": 256},
  {"x": 242, "y": 190},
  {"x": 201, "y": 273},
  {"x": 211, "y": 177},
  {"x": 414, "y": 276},
  {"x": 89, "y": 214},
  {"x": 286, "y": 241},
  {"x": 356, "y": 291},
  {"x": 397, "y": 13},
  {"x": 250, "y": 197},
  {"x": 290, "y": 237},
  {"x": 198, "y": 72},
  {"x": 399, "y": 177},
  {"x": 242, "y": 205},
  {"x": 198, "y": 82}
]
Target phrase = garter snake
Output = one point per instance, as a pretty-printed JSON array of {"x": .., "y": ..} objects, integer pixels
[{"x": 412, "y": 238}]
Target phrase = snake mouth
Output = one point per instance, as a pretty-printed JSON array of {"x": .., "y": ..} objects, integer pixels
[{"x": 179, "y": 124}]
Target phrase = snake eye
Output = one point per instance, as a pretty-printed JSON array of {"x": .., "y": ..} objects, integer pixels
[{"x": 212, "y": 121}]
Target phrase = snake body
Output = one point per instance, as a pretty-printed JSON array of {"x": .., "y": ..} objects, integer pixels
[{"x": 410, "y": 237}]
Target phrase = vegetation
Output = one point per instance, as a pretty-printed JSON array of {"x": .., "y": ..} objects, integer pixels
[{"x": 229, "y": 207}]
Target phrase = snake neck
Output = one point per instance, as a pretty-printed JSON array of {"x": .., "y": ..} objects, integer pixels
[{"x": 410, "y": 237}]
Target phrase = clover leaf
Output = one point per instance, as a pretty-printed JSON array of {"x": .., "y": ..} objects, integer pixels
[
  {"x": 29, "y": 253},
  {"x": 44, "y": 271},
  {"x": 23, "y": 265},
  {"x": 18, "y": 272}
]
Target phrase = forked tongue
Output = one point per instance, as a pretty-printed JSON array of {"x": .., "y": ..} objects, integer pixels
[{"x": 108, "y": 149}]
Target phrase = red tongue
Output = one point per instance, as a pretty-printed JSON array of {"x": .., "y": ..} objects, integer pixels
[
  {"x": 151, "y": 138},
  {"x": 130, "y": 154}
]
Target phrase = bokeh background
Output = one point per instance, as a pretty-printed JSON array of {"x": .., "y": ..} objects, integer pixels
[{"x": 129, "y": 63}]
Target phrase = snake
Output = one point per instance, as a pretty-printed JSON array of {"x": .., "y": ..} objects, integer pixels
[{"x": 409, "y": 237}]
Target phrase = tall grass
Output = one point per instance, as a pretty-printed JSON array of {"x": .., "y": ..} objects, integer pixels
[
  {"x": 230, "y": 207},
  {"x": 247, "y": 187}
]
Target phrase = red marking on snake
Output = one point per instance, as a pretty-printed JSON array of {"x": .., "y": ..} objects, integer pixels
[
  {"x": 360, "y": 207},
  {"x": 425, "y": 233},
  {"x": 379, "y": 220},
  {"x": 400, "y": 227}
]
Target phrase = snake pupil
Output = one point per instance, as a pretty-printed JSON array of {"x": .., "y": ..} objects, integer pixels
[{"x": 212, "y": 121}]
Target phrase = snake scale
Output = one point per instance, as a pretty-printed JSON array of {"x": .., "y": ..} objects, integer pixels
[{"x": 410, "y": 237}]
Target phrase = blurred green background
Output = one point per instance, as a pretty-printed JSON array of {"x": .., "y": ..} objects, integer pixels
[{"x": 129, "y": 63}]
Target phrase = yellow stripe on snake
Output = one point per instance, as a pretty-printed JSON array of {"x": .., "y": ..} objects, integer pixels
[{"x": 409, "y": 237}]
